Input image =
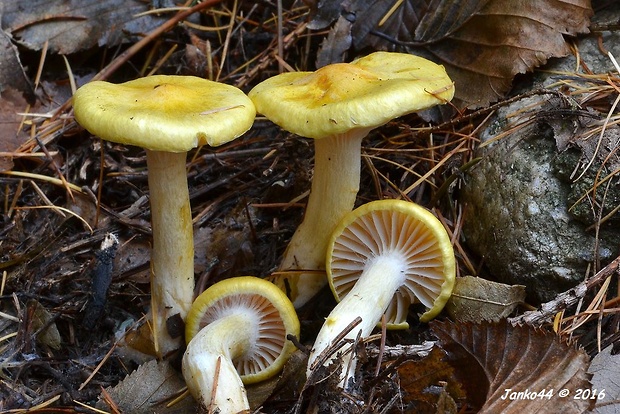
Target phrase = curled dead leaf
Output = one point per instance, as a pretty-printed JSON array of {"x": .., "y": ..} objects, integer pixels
[
  {"x": 148, "y": 389},
  {"x": 482, "y": 43},
  {"x": 429, "y": 384},
  {"x": 69, "y": 26},
  {"x": 42, "y": 323},
  {"x": 282, "y": 387},
  {"x": 475, "y": 300},
  {"x": 11, "y": 103}
]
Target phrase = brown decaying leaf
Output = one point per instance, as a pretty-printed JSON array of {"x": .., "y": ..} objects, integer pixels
[
  {"x": 482, "y": 43},
  {"x": 147, "y": 390},
  {"x": 11, "y": 70},
  {"x": 495, "y": 360},
  {"x": 70, "y": 26},
  {"x": 11, "y": 137},
  {"x": 42, "y": 323},
  {"x": 422, "y": 382},
  {"x": 282, "y": 387},
  {"x": 475, "y": 300}
]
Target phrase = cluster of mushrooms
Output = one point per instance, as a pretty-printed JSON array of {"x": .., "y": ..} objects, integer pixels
[{"x": 378, "y": 258}]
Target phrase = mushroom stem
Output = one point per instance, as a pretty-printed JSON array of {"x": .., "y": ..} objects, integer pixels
[
  {"x": 172, "y": 258},
  {"x": 219, "y": 343},
  {"x": 335, "y": 184},
  {"x": 368, "y": 299}
]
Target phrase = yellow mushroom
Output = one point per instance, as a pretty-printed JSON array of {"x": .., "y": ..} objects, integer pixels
[
  {"x": 382, "y": 257},
  {"x": 167, "y": 116},
  {"x": 338, "y": 105},
  {"x": 237, "y": 334}
]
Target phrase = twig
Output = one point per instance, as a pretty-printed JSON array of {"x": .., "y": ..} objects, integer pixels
[
  {"x": 98, "y": 367},
  {"x": 564, "y": 300},
  {"x": 52, "y": 180},
  {"x": 267, "y": 58},
  {"x": 472, "y": 115},
  {"x": 382, "y": 345},
  {"x": 401, "y": 351},
  {"x": 335, "y": 346}
]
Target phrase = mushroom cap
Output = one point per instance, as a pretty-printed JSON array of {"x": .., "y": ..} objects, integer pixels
[
  {"x": 385, "y": 226},
  {"x": 365, "y": 93},
  {"x": 164, "y": 112},
  {"x": 273, "y": 311}
]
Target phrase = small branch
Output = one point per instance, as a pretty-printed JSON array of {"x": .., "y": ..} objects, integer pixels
[
  {"x": 566, "y": 299},
  {"x": 401, "y": 351}
]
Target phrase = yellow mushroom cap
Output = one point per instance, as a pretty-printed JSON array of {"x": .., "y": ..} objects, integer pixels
[
  {"x": 274, "y": 314},
  {"x": 164, "y": 112},
  {"x": 365, "y": 93},
  {"x": 388, "y": 226}
]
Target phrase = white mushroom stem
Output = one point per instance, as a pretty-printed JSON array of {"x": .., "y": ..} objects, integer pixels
[
  {"x": 217, "y": 344},
  {"x": 335, "y": 183},
  {"x": 368, "y": 299},
  {"x": 172, "y": 257}
]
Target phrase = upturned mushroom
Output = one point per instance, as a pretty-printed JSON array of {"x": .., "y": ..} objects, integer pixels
[
  {"x": 338, "y": 105},
  {"x": 237, "y": 334},
  {"x": 167, "y": 116},
  {"x": 382, "y": 257}
]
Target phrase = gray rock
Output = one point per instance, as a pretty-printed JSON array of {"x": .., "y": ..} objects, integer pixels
[
  {"x": 517, "y": 218},
  {"x": 525, "y": 213}
]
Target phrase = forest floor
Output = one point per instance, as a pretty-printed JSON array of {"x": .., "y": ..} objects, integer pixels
[{"x": 63, "y": 191}]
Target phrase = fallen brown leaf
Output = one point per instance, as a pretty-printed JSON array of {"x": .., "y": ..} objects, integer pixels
[
  {"x": 482, "y": 43},
  {"x": 11, "y": 137},
  {"x": 514, "y": 370},
  {"x": 282, "y": 387},
  {"x": 148, "y": 389},
  {"x": 475, "y": 300},
  {"x": 12, "y": 72},
  {"x": 42, "y": 323},
  {"x": 70, "y": 26},
  {"x": 428, "y": 382}
]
